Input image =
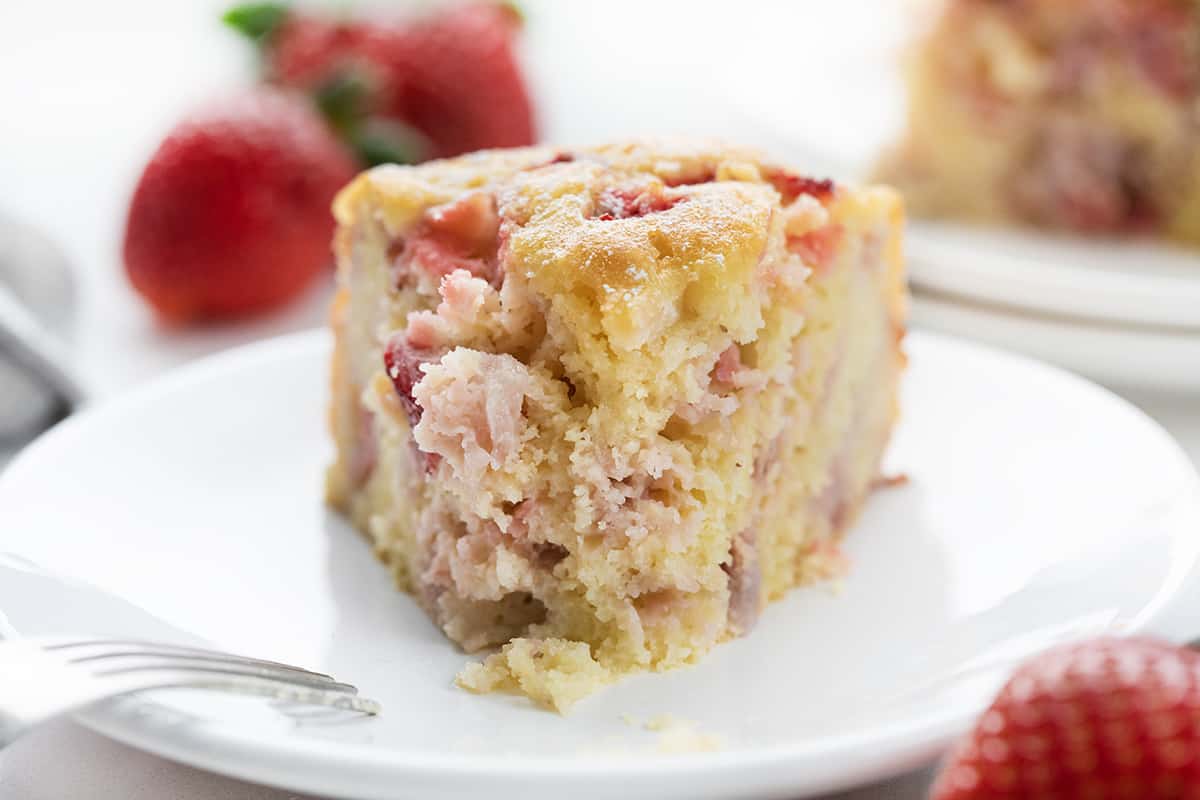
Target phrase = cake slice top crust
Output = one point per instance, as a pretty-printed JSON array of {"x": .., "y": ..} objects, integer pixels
[
  {"x": 628, "y": 238},
  {"x": 623, "y": 269}
]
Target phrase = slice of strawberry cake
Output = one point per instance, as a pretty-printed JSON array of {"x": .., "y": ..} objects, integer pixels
[
  {"x": 597, "y": 407},
  {"x": 1076, "y": 115}
]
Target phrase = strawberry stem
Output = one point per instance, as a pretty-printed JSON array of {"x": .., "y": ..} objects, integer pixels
[
  {"x": 386, "y": 142},
  {"x": 344, "y": 99},
  {"x": 256, "y": 21}
]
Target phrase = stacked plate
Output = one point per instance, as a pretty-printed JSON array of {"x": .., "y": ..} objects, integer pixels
[{"x": 1123, "y": 313}]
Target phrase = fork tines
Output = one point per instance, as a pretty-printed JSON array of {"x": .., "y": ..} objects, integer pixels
[{"x": 180, "y": 665}]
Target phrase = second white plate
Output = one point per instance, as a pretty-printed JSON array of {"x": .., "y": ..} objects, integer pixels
[
  {"x": 1097, "y": 281},
  {"x": 832, "y": 102},
  {"x": 1041, "y": 508},
  {"x": 1123, "y": 356}
]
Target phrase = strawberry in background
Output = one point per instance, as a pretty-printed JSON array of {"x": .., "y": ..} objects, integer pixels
[
  {"x": 401, "y": 90},
  {"x": 231, "y": 215}
]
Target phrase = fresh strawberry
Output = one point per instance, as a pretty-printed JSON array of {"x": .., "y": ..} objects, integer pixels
[
  {"x": 306, "y": 50},
  {"x": 441, "y": 85},
  {"x": 1109, "y": 718},
  {"x": 457, "y": 80},
  {"x": 231, "y": 216}
]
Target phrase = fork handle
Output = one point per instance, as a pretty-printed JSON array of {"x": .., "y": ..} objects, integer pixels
[
  {"x": 23, "y": 339},
  {"x": 35, "y": 687}
]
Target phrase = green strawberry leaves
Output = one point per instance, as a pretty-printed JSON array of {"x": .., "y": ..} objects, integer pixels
[
  {"x": 345, "y": 100},
  {"x": 386, "y": 141},
  {"x": 256, "y": 21},
  {"x": 346, "y": 97}
]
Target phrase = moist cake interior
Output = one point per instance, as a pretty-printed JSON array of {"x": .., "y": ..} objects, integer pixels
[{"x": 600, "y": 406}]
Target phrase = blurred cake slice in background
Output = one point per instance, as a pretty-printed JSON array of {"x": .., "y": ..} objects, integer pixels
[
  {"x": 598, "y": 407},
  {"x": 1075, "y": 115}
]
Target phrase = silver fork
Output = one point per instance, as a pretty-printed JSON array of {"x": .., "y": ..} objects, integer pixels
[{"x": 44, "y": 677}]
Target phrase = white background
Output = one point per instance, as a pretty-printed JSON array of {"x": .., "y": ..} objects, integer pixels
[{"x": 88, "y": 88}]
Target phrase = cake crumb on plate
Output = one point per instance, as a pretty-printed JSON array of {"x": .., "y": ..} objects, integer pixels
[
  {"x": 677, "y": 735},
  {"x": 554, "y": 673}
]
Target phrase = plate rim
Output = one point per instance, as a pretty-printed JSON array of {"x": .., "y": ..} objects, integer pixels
[
  {"x": 324, "y": 765},
  {"x": 1164, "y": 303},
  {"x": 1133, "y": 357}
]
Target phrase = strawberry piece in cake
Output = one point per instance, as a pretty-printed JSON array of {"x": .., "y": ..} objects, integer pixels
[
  {"x": 621, "y": 397},
  {"x": 1077, "y": 115}
]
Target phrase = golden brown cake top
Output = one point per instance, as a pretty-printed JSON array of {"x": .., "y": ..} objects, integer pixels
[{"x": 644, "y": 233}]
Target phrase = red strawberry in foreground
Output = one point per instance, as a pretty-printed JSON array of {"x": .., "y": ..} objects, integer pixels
[
  {"x": 1109, "y": 718},
  {"x": 231, "y": 216},
  {"x": 396, "y": 90}
]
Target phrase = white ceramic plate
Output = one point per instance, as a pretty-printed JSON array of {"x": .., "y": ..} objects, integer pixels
[
  {"x": 830, "y": 103},
  {"x": 1040, "y": 508},
  {"x": 1162, "y": 359}
]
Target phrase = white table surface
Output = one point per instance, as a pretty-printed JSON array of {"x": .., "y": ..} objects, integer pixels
[{"x": 90, "y": 88}]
